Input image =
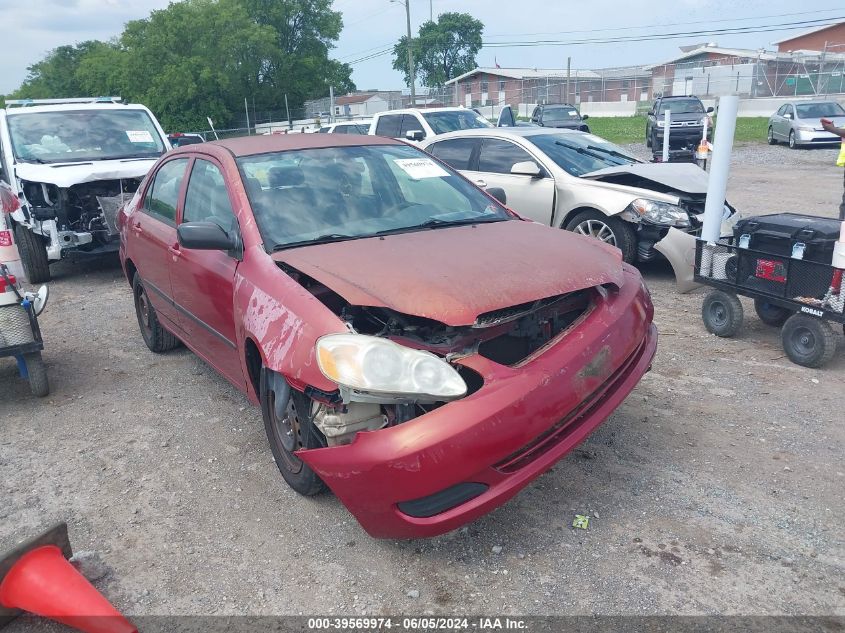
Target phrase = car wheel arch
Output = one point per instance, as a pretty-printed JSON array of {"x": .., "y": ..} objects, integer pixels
[
  {"x": 580, "y": 209},
  {"x": 253, "y": 362},
  {"x": 130, "y": 269}
]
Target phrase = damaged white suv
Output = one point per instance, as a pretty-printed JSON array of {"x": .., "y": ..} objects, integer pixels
[{"x": 72, "y": 163}]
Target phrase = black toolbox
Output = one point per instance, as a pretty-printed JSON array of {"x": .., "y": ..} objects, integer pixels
[{"x": 784, "y": 236}]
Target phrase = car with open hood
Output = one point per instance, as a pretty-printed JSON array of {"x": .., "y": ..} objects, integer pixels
[
  {"x": 413, "y": 345},
  {"x": 581, "y": 182},
  {"x": 72, "y": 163}
]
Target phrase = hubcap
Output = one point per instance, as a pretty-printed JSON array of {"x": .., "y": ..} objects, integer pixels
[
  {"x": 804, "y": 341},
  {"x": 597, "y": 229},
  {"x": 288, "y": 433},
  {"x": 718, "y": 314}
]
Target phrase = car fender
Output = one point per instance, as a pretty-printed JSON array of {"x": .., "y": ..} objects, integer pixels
[
  {"x": 679, "y": 248},
  {"x": 587, "y": 195}
]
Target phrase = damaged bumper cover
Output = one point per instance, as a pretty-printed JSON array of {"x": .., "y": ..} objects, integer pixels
[{"x": 445, "y": 468}]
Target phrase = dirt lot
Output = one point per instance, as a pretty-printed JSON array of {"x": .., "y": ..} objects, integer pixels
[{"x": 716, "y": 488}]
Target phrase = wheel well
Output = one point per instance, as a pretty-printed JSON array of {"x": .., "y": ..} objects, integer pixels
[
  {"x": 253, "y": 364},
  {"x": 130, "y": 271},
  {"x": 575, "y": 212}
]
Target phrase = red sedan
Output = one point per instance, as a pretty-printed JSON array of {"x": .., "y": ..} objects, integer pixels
[{"x": 413, "y": 344}]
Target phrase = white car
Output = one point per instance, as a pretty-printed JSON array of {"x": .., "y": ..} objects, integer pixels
[
  {"x": 412, "y": 124},
  {"x": 581, "y": 182},
  {"x": 361, "y": 126},
  {"x": 72, "y": 163}
]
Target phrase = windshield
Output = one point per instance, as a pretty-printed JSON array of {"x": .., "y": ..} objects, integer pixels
[
  {"x": 453, "y": 120},
  {"x": 682, "y": 106},
  {"x": 560, "y": 114},
  {"x": 819, "y": 110},
  {"x": 337, "y": 193},
  {"x": 84, "y": 135},
  {"x": 579, "y": 154}
]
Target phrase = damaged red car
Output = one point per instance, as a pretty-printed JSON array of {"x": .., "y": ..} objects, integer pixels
[{"x": 414, "y": 346}]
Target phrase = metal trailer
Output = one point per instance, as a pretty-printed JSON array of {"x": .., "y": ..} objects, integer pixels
[
  {"x": 802, "y": 297},
  {"x": 20, "y": 335}
]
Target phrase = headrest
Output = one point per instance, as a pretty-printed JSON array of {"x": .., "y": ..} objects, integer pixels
[{"x": 291, "y": 176}]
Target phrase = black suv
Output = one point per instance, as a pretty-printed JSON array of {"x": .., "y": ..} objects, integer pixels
[
  {"x": 559, "y": 115},
  {"x": 687, "y": 124}
]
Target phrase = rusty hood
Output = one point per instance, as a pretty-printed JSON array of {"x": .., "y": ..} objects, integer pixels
[{"x": 454, "y": 274}]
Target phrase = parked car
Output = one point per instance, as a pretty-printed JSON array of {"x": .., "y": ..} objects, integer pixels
[
  {"x": 559, "y": 115},
  {"x": 688, "y": 115},
  {"x": 797, "y": 123},
  {"x": 415, "y": 125},
  {"x": 360, "y": 126},
  {"x": 72, "y": 162},
  {"x": 178, "y": 139},
  {"x": 582, "y": 183},
  {"x": 335, "y": 281}
]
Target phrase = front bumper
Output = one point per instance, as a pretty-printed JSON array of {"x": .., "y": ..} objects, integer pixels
[
  {"x": 682, "y": 136},
  {"x": 514, "y": 428},
  {"x": 813, "y": 137}
]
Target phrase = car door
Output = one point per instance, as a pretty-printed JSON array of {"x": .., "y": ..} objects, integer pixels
[
  {"x": 203, "y": 281},
  {"x": 153, "y": 235},
  {"x": 785, "y": 123},
  {"x": 532, "y": 197}
]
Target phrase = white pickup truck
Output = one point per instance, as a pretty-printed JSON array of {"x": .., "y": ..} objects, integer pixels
[
  {"x": 415, "y": 125},
  {"x": 72, "y": 163}
]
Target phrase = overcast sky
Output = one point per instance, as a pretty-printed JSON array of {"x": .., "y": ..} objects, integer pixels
[{"x": 32, "y": 27}]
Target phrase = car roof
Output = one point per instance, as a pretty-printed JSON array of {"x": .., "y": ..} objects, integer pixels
[
  {"x": 73, "y": 107},
  {"x": 425, "y": 110},
  {"x": 264, "y": 144},
  {"x": 504, "y": 132}
]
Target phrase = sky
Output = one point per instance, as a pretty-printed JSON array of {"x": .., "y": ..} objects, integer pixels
[{"x": 31, "y": 28}]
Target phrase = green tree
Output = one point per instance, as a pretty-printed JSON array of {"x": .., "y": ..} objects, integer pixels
[
  {"x": 54, "y": 77},
  {"x": 442, "y": 50}
]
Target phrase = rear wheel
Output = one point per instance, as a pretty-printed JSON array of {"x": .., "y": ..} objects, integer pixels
[
  {"x": 290, "y": 433},
  {"x": 610, "y": 230},
  {"x": 770, "y": 136},
  {"x": 33, "y": 255},
  {"x": 37, "y": 372},
  {"x": 770, "y": 314},
  {"x": 155, "y": 336},
  {"x": 807, "y": 341},
  {"x": 722, "y": 313}
]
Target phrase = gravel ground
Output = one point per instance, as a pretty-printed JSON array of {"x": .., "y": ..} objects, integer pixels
[{"x": 716, "y": 488}]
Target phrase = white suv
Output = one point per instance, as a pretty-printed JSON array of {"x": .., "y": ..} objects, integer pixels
[
  {"x": 72, "y": 163},
  {"x": 416, "y": 125}
]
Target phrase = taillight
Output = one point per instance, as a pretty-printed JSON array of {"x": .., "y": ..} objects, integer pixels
[
  {"x": 4, "y": 285},
  {"x": 5, "y": 238}
]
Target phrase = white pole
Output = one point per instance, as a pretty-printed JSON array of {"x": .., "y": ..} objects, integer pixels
[
  {"x": 667, "y": 123},
  {"x": 720, "y": 164},
  {"x": 246, "y": 109},
  {"x": 331, "y": 104}
]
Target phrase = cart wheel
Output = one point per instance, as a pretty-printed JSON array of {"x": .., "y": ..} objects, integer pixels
[
  {"x": 770, "y": 314},
  {"x": 722, "y": 313},
  {"x": 808, "y": 341},
  {"x": 37, "y": 372}
]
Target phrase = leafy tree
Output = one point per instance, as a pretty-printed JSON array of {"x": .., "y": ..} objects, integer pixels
[
  {"x": 443, "y": 49},
  {"x": 55, "y": 75}
]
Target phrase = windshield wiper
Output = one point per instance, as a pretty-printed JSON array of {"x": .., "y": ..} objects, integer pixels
[
  {"x": 611, "y": 152},
  {"x": 435, "y": 223},
  {"x": 40, "y": 161},
  {"x": 590, "y": 150},
  {"x": 323, "y": 239}
]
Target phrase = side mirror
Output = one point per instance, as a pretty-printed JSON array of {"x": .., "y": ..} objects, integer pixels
[
  {"x": 415, "y": 135},
  {"x": 584, "y": 117},
  {"x": 787, "y": 116},
  {"x": 498, "y": 193},
  {"x": 527, "y": 168},
  {"x": 710, "y": 109},
  {"x": 205, "y": 236}
]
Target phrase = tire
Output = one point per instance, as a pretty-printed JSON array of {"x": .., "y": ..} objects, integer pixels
[
  {"x": 33, "y": 255},
  {"x": 38, "y": 383},
  {"x": 648, "y": 141},
  {"x": 158, "y": 339},
  {"x": 771, "y": 314},
  {"x": 722, "y": 313},
  {"x": 808, "y": 341},
  {"x": 610, "y": 230},
  {"x": 296, "y": 431},
  {"x": 770, "y": 136},
  {"x": 792, "y": 143}
]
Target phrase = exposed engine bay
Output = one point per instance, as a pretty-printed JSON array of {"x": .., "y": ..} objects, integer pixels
[
  {"x": 509, "y": 337},
  {"x": 87, "y": 208}
]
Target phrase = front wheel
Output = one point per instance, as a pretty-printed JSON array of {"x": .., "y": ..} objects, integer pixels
[
  {"x": 610, "y": 230},
  {"x": 808, "y": 341},
  {"x": 792, "y": 143},
  {"x": 33, "y": 255},
  {"x": 37, "y": 372},
  {"x": 722, "y": 313}
]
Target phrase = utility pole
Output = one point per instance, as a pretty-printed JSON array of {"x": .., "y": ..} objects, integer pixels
[
  {"x": 568, "y": 75},
  {"x": 411, "y": 55},
  {"x": 431, "y": 10},
  {"x": 246, "y": 109},
  {"x": 287, "y": 110}
]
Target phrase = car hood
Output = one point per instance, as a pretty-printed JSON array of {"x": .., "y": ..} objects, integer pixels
[
  {"x": 683, "y": 177},
  {"x": 838, "y": 121},
  {"x": 565, "y": 124},
  {"x": 69, "y": 174},
  {"x": 452, "y": 275}
]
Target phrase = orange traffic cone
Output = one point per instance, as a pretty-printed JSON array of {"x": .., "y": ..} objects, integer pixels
[{"x": 42, "y": 582}]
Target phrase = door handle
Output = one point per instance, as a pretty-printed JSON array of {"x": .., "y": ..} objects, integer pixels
[
  {"x": 136, "y": 226},
  {"x": 175, "y": 251},
  {"x": 481, "y": 183}
]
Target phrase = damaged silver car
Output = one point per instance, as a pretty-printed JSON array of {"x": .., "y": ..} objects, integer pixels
[{"x": 72, "y": 163}]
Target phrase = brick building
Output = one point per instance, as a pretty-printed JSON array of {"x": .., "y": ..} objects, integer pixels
[{"x": 823, "y": 38}]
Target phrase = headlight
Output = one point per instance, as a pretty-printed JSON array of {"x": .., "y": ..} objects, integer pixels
[
  {"x": 378, "y": 366},
  {"x": 661, "y": 212},
  {"x": 700, "y": 122},
  {"x": 661, "y": 123}
]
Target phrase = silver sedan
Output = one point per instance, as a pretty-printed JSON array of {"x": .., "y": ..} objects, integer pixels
[{"x": 797, "y": 123}]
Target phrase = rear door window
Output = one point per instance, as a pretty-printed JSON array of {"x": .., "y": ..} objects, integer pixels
[
  {"x": 389, "y": 125},
  {"x": 163, "y": 194},
  {"x": 498, "y": 156},
  {"x": 456, "y": 152}
]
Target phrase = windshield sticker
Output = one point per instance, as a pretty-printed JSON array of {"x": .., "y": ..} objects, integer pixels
[
  {"x": 573, "y": 113},
  {"x": 419, "y": 168},
  {"x": 139, "y": 136}
]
